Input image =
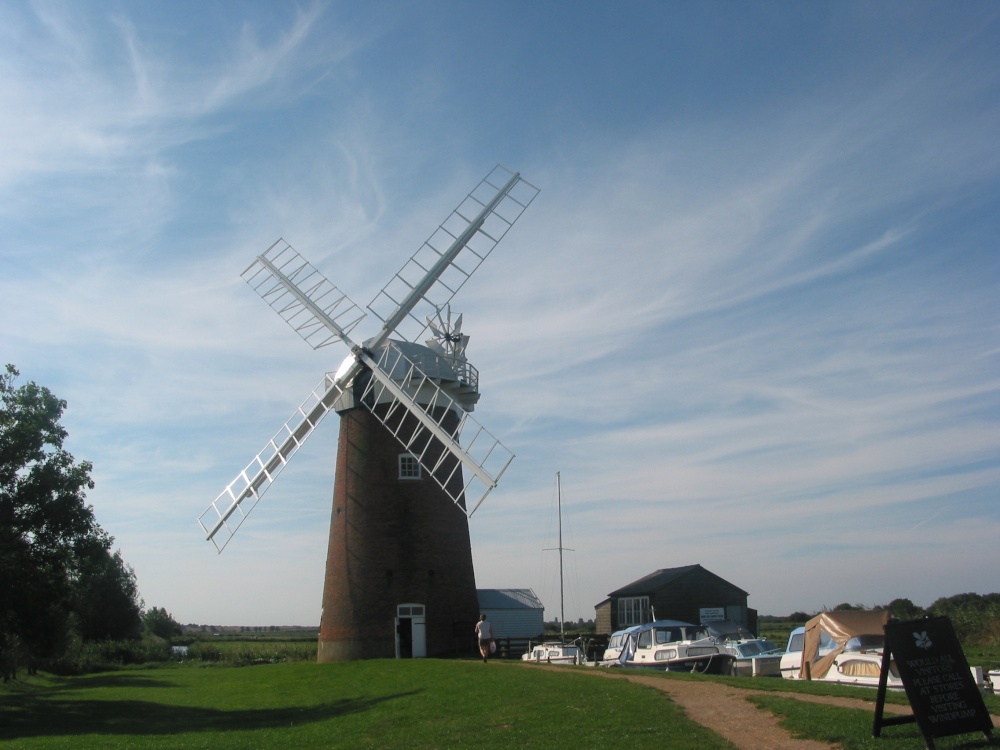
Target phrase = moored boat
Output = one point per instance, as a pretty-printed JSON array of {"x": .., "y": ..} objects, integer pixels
[
  {"x": 671, "y": 645},
  {"x": 756, "y": 657},
  {"x": 843, "y": 647},
  {"x": 753, "y": 657},
  {"x": 616, "y": 643},
  {"x": 554, "y": 652}
]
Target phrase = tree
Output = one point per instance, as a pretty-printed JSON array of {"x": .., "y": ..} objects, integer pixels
[
  {"x": 107, "y": 603},
  {"x": 159, "y": 622},
  {"x": 976, "y": 618},
  {"x": 959, "y": 604},
  {"x": 47, "y": 531},
  {"x": 904, "y": 609}
]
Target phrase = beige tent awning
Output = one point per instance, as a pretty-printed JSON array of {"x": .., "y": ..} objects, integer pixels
[{"x": 841, "y": 627}]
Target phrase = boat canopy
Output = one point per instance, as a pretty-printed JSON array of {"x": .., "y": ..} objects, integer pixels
[
  {"x": 727, "y": 630},
  {"x": 664, "y": 631},
  {"x": 841, "y": 627}
]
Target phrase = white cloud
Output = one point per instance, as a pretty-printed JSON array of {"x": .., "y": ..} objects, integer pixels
[{"x": 747, "y": 333}]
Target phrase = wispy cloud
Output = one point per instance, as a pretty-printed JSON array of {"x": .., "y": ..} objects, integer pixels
[{"x": 751, "y": 321}]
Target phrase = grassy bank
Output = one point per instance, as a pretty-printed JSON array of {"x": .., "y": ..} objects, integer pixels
[
  {"x": 414, "y": 704},
  {"x": 851, "y": 728},
  {"x": 423, "y": 703}
]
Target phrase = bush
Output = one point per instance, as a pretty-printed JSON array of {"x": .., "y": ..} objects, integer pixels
[
  {"x": 247, "y": 655},
  {"x": 100, "y": 656},
  {"x": 82, "y": 657},
  {"x": 204, "y": 651},
  {"x": 242, "y": 654},
  {"x": 976, "y": 618}
]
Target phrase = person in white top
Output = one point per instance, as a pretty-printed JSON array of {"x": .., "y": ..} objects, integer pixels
[{"x": 485, "y": 633}]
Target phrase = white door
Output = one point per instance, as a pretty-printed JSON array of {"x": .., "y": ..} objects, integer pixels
[
  {"x": 419, "y": 637},
  {"x": 411, "y": 631}
]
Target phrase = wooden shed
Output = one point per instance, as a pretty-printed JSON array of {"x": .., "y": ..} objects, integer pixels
[
  {"x": 689, "y": 593},
  {"x": 514, "y": 613}
]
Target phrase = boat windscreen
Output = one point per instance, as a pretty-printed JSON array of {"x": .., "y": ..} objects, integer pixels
[
  {"x": 873, "y": 642},
  {"x": 668, "y": 635}
]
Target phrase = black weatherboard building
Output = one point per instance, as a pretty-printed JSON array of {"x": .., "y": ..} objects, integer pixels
[{"x": 689, "y": 593}]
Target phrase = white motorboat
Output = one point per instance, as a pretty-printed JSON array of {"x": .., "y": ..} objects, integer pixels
[
  {"x": 753, "y": 657},
  {"x": 670, "y": 645},
  {"x": 843, "y": 647},
  {"x": 554, "y": 652},
  {"x": 616, "y": 643}
]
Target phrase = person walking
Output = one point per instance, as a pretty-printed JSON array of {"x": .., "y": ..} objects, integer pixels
[{"x": 484, "y": 631}]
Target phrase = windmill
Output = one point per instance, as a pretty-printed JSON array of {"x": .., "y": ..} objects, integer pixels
[{"x": 412, "y": 463}]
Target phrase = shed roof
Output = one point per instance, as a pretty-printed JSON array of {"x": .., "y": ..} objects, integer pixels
[
  {"x": 508, "y": 599},
  {"x": 663, "y": 577}
]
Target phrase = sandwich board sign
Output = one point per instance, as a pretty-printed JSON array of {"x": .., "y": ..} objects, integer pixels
[{"x": 937, "y": 680}]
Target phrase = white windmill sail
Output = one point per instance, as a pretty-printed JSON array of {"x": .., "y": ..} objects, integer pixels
[
  {"x": 228, "y": 511},
  {"x": 318, "y": 311},
  {"x": 321, "y": 314},
  {"x": 462, "y": 242}
]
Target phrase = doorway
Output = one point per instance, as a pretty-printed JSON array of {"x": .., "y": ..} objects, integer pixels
[{"x": 411, "y": 631}]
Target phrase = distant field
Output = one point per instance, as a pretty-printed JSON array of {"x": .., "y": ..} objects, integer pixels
[{"x": 288, "y": 635}]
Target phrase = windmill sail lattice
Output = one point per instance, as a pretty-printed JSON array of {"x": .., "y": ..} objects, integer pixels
[
  {"x": 480, "y": 453},
  {"x": 319, "y": 312},
  {"x": 228, "y": 511},
  {"x": 475, "y": 228},
  {"x": 395, "y": 383}
]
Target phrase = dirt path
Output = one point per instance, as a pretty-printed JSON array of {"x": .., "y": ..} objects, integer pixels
[
  {"x": 724, "y": 710},
  {"x": 727, "y": 712}
]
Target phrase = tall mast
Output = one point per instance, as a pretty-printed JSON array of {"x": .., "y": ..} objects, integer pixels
[
  {"x": 562, "y": 613},
  {"x": 562, "y": 598}
]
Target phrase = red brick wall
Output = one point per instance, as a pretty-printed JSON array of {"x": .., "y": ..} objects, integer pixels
[{"x": 392, "y": 542}]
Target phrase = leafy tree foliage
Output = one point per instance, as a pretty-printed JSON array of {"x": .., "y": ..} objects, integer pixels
[
  {"x": 54, "y": 557},
  {"x": 960, "y": 604},
  {"x": 159, "y": 622},
  {"x": 976, "y": 617},
  {"x": 904, "y": 609},
  {"x": 107, "y": 602}
]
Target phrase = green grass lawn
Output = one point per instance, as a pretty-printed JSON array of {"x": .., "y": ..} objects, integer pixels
[
  {"x": 422, "y": 703},
  {"x": 852, "y": 728}
]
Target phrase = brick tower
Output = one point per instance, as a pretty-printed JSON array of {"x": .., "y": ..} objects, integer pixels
[
  {"x": 399, "y": 555},
  {"x": 399, "y": 572}
]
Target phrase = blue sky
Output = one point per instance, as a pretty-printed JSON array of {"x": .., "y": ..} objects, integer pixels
[{"x": 751, "y": 317}]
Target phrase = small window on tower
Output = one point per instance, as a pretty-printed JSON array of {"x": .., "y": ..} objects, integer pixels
[{"x": 409, "y": 468}]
